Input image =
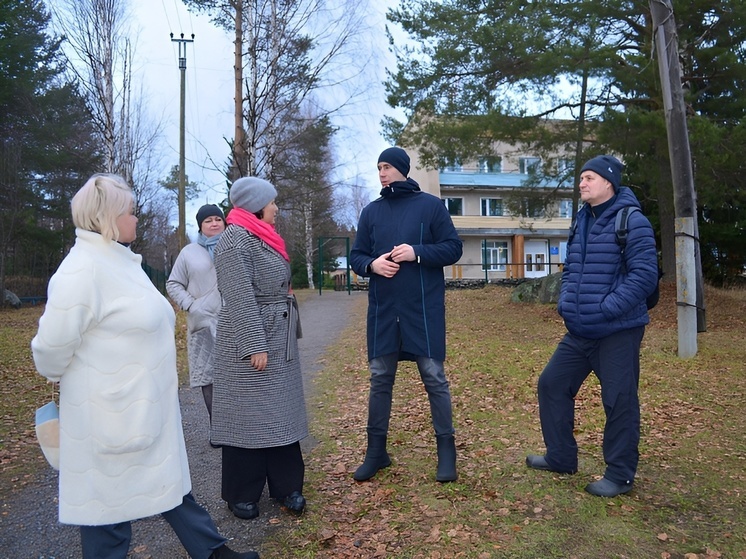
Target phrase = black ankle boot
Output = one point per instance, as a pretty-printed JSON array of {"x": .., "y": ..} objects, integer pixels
[
  {"x": 446, "y": 459},
  {"x": 376, "y": 458}
]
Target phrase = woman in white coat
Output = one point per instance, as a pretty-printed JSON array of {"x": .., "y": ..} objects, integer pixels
[
  {"x": 107, "y": 337},
  {"x": 193, "y": 286}
]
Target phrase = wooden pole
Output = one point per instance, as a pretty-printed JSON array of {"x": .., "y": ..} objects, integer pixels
[
  {"x": 182, "y": 143},
  {"x": 688, "y": 266}
]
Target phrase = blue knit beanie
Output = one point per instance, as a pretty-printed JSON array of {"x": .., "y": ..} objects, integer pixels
[
  {"x": 397, "y": 158},
  {"x": 608, "y": 167}
]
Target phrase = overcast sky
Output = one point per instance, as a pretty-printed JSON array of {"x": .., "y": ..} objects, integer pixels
[{"x": 209, "y": 94}]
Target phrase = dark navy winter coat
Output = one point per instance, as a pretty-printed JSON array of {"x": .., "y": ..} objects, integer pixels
[
  {"x": 406, "y": 313},
  {"x": 597, "y": 297}
]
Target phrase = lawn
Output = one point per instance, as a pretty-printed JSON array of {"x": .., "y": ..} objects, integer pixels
[{"x": 689, "y": 497}]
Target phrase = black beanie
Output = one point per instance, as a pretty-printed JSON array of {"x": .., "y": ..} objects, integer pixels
[
  {"x": 397, "y": 158},
  {"x": 608, "y": 167},
  {"x": 206, "y": 211}
]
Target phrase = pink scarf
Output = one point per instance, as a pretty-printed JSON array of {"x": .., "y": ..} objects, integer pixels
[{"x": 265, "y": 231}]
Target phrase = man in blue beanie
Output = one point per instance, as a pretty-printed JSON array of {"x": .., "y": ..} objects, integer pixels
[
  {"x": 602, "y": 301},
  {"x": 404, "y": 239}
]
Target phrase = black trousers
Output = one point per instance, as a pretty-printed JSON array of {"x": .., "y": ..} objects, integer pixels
[
  {"x": 616, "y": 361},
  {"x": 246, "y": 470}
]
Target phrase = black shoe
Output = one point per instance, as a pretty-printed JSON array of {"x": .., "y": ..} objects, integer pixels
[
  {"x": 225, "y": 552},
  {"x": 246, "y": 511},
  {"x": 295, "y": 502},
  {"x": 537, "y": 462},
  {"x": 605, "y": 488}
]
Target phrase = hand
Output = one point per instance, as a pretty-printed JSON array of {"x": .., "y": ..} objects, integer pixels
[
  {"x": 403, "y": 253},
  {"x": 259, "y": 361},
  {"x": 384, "y": 266}
]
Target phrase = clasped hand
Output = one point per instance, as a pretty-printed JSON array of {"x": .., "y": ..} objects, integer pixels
[{"x": 387, "y": 264}]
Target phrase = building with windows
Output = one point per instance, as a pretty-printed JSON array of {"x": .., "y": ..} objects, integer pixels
[{"x": 512, "y": 211}]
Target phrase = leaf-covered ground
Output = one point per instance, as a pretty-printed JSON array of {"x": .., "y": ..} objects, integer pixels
[{"x": 688, "y": 500}]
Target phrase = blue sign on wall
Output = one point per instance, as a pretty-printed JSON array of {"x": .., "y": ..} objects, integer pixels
[{"x": 554, "y": 250}]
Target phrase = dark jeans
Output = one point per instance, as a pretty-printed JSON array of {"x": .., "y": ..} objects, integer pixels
[
  {"x": 382, "y": 377},
  {"x": 191, "y": 523},
  {"x": 616, "y": 361}
]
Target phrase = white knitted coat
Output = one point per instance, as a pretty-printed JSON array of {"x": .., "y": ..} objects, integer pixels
[{"x": 107, "y": 335}]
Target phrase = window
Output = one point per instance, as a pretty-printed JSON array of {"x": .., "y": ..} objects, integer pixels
[
  {"x": 565, "y": 208},
  {"x": 529, "y": 165},
  {"x": 455, "y": 206},
  {"x": 489, "y": 165},
  {"x": 492, "y": 207},
  {"x": 532, "y": 208},
  {"x": 452, "y": 166},
  {"x": 565, "y": 165},
  {"x": 495, "y": 255},
  {"x": 535, "y": 262}
]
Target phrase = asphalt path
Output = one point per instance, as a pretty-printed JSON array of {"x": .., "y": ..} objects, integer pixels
[{"x": 28, "y": 519}]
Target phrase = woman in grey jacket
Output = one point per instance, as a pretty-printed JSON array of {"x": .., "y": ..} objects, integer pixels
[
  {"x": 259, "y": 412},
  {"x": 193, "y": 286}
]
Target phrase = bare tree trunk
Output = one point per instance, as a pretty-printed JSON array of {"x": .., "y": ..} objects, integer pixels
[
  {"x": 253, "y": 98},
  {"x": 308, "y": 244},
  {"x": 272, "y": 94},
  {"x": 239, "y": 164},
  {"x": 580, "y": 142}
]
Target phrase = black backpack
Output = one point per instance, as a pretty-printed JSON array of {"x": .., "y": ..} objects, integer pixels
[{"x": 621, "y": 229}]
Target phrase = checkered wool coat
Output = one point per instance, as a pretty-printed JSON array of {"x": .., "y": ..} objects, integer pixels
[{"x": 255, "y": 409}]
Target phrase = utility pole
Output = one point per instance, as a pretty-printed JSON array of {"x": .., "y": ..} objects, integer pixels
[
  {"x": 689, "y": 288},
  {"x": 182, "y": 175}
]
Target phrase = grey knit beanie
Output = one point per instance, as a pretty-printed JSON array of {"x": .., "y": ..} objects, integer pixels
[{"x": 252, "y": 194}]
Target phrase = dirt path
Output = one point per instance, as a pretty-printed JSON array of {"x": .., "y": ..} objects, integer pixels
[{"x": 28, "y": 521}]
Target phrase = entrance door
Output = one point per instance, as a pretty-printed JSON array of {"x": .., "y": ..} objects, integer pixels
[{"x": 536, "y": 257}]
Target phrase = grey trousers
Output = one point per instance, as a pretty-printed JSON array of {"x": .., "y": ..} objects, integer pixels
[{"x": 382, "y": 377}]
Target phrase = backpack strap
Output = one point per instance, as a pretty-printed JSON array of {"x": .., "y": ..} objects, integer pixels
[
  {"x": 621, "y": 224},
  {"x": 573, "y": 229},
  {"x": 621, "y": 229}
]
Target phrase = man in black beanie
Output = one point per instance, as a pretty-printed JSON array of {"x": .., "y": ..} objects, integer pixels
[
  {"x": 404, "y": 239},
  {"x": 602, "y": 301}
]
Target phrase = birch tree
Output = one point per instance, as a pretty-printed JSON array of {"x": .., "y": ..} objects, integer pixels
[
  {"x": 307, "y": 209},
  {"x": 100, "y": 55},
  {"x": 286, "y": 53}
]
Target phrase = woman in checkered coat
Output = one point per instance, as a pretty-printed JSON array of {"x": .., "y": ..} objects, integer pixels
[{"x": 259, "y": 413}]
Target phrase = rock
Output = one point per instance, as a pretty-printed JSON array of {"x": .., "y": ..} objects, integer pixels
[
  {"x": 538, "y": 290},
  {"x": 11, "y": 299}
]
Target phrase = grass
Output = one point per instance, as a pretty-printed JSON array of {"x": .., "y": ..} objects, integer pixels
[{"x": 689, "y": 497}]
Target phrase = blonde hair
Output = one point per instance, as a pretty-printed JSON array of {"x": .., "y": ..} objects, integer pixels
[{"x": 98, "y": 204}]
